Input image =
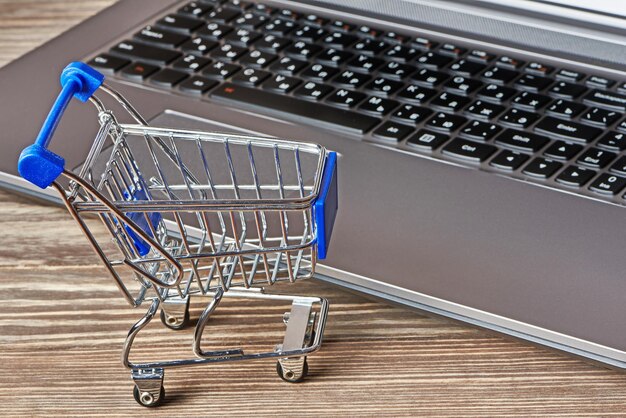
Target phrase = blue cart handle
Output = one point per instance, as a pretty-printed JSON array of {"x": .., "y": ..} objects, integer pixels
[{"x": 37, "y": 164}]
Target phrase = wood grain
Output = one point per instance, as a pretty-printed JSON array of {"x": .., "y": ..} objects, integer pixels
[{"x": 63, "y": 323}]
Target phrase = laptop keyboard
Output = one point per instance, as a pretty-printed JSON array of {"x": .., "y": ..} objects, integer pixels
[{"x": 453, "y": 102}]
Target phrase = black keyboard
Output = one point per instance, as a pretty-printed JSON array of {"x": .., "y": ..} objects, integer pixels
[{"x": 454, "y": 102}]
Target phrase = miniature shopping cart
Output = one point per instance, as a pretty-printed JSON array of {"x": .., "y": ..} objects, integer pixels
[{"x": 195, "y": 214}]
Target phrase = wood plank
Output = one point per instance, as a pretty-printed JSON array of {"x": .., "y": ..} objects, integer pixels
[{"x": 63, "y": 324}]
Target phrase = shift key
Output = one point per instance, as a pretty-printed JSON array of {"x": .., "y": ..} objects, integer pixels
[
  {"x": 568, "y": 130},
  {"x": 468, "y": 150},
  {"x": 147, "y": 53},
  {"x": 316, "y": 113}
]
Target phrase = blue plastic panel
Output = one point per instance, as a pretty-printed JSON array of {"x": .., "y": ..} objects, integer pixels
[
  {"x": 140, "y": 220},
  {"x": 326, "y": 205}
]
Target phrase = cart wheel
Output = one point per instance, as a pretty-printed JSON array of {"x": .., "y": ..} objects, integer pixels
[
  {"x": 146, "y": 399},
  {"x": 288, "y": 376},
  {"x": 173, "y": 322}
]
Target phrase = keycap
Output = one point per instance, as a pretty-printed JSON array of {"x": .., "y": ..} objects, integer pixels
[
  {"x": 198, "y": 46},
  {"x": 250, "y": 76},
  {"x": 532, "y": 82},
  {"x": 178, "y": 23},
  {"x": 228, "y": 52},
  {"x": 530, "y": 101},
  {"x": 600, "y": 117},
  {"x": 378, "y": 105},
  {"x": 195, "y": 8},
  {"x": 369, "y": 31},
  {"x": 190, "y": 62},
  {"x": 279, "y": 27},
  {"x": 566, "y": 90},
  {"x": 302, "y": 50},
  {"x": 619, "y": 166},
  {"x": 364, "y": 64},
  {"x": 429, "y": 78},
  {"x": 214, "y": 31},
  {"x": 160, "y": 37},
  {"x": 370, "y": 46},
  {"x": 223, "y": 14},
  {"x": 427, "y": 140},
  {"x": 334, "y": 57},
  {"x": 498, "y": 75},
  {"x": 567, "y": 130},
  {"x": 462, "y": 85},
  {"x": 466, "y": 68},
  {"x": 480, "y": 56},
  {"x": 508, "y": 62},
  {"x": 565, "y": 109},
  {"x": 424, "y": 44},
  {"x": 108, "y": 64},
  {"x": 242, "y": 37},
  {"x": 345, "y": 98},
  {"x": 147, "y": 53},
  {"x": 288, "y": 65},
  {"x": 220, "y": 70},
  {"x": 313, "y": 91},
  {"x": 496, "y": 93},
  {"x": 271, "y": 43},
  {"x": 575, "y": 176},
  {"x": 341, "y": 26},
  {"x": 608, "y": 184},
  {"x": 538, "y": 68},
  {"x": 250, "y": 20},
  {"x": 607, "y": 99},
  {"x": 288, "y": 14},
  {"x": 445, "y": 122},
  {"x": 320, "y": 115},
  {"x": 601, "y": 82},
  {"x": 433, "y": 60},
  {"x": 484, "y": 110},
  {"x": 449, "y": 102},
  {"x": 308, "y": 33},
  {"x": 281, "y": 83},
  {"x": 570, "y": 75},
  {"x": 622, "y": 126},
  {"x": 562, "y": 150},
  {"x": 339, "y": 40},
  {"x": 257, "y": 59},
  {"x": 138, "y": 71},
  {"x": 622, "y": 87},
  {"x": 415, "y": 94},
  {"x": 542, "y": 167},
  {"x": 396, "y": 70},
  {"x": 316, "y": 20},
  {"x": 468, "y": 150},
  {"x": 451, "y": 49},
  {"x": 520, "y": 140},
  {"x": 319, "y": 72},
  {"x": 614, "y": 141},
  {"x": 479, "y": 131},
  {"x": 197, "y": 85},
  {"x": 168, "y": 77},
  {"x": 411, "y": 114},
  {"x": 351, "y": 79},
  {"x": 401, "y": 53},
  {"x": 384, "y": 86},
  {"x": 596, "y": 158},
  {"x": 518, "y": 118},
  {"x": 392, "y": 131},
  {"x": 508, "y": 160}
]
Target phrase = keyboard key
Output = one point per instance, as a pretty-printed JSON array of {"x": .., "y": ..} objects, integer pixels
[
  {"x": 480, "y": 131},
  {"x": 214, "y": 31},
  {"x": 319, "y": 72},
  {"x": 313, "y": 91},
  {"x": 449, "y": 102},
  {"x": 600, "y": 82},
  {"x": 195, "y": 8},
  {"x": 606, "y": 99},
  {"x": 392, "y": 131},
  {"x": 596, "y": 158},
  {"x": 287, "y": 65},
  {"x": 351, "y": 79},
  {"x": 190, "y": 63},
  {"x": 168, "y": 77},
  {"x": 566, "y": 90},
  {"x": 533, "y": 82},
  {"x": 530, "y": 101},
  {"x": 466, "y": 68},
  {"x": 345, "y": 98},
  {"x": 369, "y": 46},
  {"x": 498, "y": 75},
  {"x": 496, "y": 93},
  {"x": 250, "y": 20},
  {"x": 251, "y": 77},
  {"x": 445, "y": 122},
  {"x": 452, "y": 50},
  {"x": 621, "y": 126},
  {"x": 197, "y": 85},
  {"x": 220, "y": 70},
  {"x": 138, "y": 71},
  {"x": 619, "y": 166},
  {"x": 339, "y": 40},
  {"x": 108, "y": 64},
  {"x": 424, "y": 44},
  {"x": 223, "y": 14},
  {"x": 315, "y": 20},
  {"x": 334, "y": 57},
  {"x": 542, "y": 168},
  {"x": 480, "y": 56},
  {"x": 608, "y": 184},
  {"x": 411, "y": 114},
  {"x": 303, "y": 50},
  {"x": 279, "y": 27},
  {"x": 570, "y": 75},
  {"x": 468, "y": 150},
  {"x": 396, "y": 70},
  {"x": 429, "y": 78},
  {"x": 600, "y": 117},
  {"x": 518, "y": 118},
  {"x": 565, "y": 109},
  {"x": 364, "y": 64},
  {"x": 508, "y": 62},
  {"x": 567, "y": 130},
  {"x": 522, "y": 141},
  {"x": 147, "y": 53},
  {"x": 271, "y": 43},
  {"x": 622, "y": 87},
  {"x": 341, "y": 26},
  {"x": 378, "y": 105},
  {"x": 538, "y": 68},
  {"x": 321, "y": 115},
  {"x": 368, "y": 31},
  {"x": 562, "y": 150},
  {"x": 484, "y": 110},
  {"x": 228, "y": 52},
  {"x": 381, "y": 85},
  {"x": 401, "y": 53},
  {"x": 281, "y": 83},
  {"x": 308, "y": 33},
  {"x": 433, "y": 61},
  {"x": 242, "y": 37},
  {"x": 160, "y": 37},
  {"x": 508, "y": 160},
  {"x": 198, "y": 46},
  {"x": 427, "y": 140},
  {"x": 395, "y": 37},
  {"x": 288, "y": 14},
  {"x": 257, "y": 59},
  {"x": 182, "y": 24},
  {"x": 614, "y": 141},
  {"x": 462, "y": 85},
  {"x": 575, "y": 176},
  {"x": 416, "y": 94}
]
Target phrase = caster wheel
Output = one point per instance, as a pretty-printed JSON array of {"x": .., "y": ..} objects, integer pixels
[
  {"x": 146, "y": 399},
  {"x": 172, "y": 322},
  {"x": 289, "y": 376}
]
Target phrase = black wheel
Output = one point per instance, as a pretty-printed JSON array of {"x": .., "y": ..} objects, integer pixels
[
  {"x": 170, "y": 322},
  {"x": 147, "y": 400},
  {"x": 288, "y": 376}
]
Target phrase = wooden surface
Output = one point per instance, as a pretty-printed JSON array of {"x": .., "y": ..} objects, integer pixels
[{"x": 62, "y": 325}]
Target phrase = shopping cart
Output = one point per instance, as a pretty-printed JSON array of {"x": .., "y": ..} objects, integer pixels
[{"x": 195, "y": 214}]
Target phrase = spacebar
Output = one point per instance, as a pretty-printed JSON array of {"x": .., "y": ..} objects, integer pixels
[{"x": 332, "y": 117}]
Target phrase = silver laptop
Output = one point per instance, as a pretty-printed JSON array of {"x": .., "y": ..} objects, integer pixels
[{"x": 482, "y": 165}]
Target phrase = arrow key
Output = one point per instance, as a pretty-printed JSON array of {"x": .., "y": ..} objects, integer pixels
[
  {"x": 575, "y": 176},
  {"x": 508, "y": 160},
  {"x": 542, "y": 168},
  {"x": 562, "y": 150}
]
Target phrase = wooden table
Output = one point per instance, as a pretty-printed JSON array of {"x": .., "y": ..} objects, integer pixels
[{"x": 62, "y": 325}]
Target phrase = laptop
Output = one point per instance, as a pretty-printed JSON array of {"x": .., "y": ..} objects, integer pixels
[{"x": 482, "y": 169}]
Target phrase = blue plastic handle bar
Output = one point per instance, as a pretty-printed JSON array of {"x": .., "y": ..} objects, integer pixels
[
  {"x": 37, "y": 164},
  {"x": 325, "y": 207}
]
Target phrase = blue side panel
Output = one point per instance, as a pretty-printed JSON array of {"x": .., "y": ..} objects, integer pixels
[
  {"x": 325, "y": 207},
  {"x": 140, "y": 220}
]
